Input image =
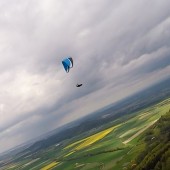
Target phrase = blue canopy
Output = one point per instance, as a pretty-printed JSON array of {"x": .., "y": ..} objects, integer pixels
[{"x": 67, "y": 63}]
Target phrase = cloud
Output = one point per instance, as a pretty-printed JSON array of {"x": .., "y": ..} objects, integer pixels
[{"x": 119, "y": 48}]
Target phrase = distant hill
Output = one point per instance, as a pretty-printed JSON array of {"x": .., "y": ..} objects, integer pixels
[{"x": 129, "y": 105}]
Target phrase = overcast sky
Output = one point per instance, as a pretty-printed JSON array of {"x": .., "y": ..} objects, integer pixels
[{"x": 119, "y": 47}]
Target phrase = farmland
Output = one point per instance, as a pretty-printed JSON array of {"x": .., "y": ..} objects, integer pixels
[{"x": 113, "y": 145}]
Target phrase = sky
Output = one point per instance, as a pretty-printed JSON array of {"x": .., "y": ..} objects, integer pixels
[{"x": 119, "y": 47}]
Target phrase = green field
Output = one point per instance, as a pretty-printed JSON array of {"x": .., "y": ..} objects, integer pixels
[{"x": 113, "y": 147}]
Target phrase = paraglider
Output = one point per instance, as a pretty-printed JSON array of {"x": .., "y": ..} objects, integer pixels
[
  {"x": 68, "y": 64},
  {"x": 79, "y": 85}
]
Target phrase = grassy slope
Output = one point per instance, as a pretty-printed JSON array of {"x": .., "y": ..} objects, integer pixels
[{"x": 156, "y": 153}]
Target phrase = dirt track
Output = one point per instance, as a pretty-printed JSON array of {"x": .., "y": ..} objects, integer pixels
[{"x": 139, "y": 132}]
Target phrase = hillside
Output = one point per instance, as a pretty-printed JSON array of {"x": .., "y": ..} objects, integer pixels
[{"x": 156, "y": 153}]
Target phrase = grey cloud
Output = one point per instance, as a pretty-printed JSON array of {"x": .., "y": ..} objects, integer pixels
[{"x": 115, "y": 44}]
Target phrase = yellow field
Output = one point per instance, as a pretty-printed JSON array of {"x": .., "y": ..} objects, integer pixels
[
  {"x": 94, "y": 138},
  {"x": 69, "y": 154},
  {"x": 75, "y": 143},
  {"x": 49, "y": 166},
  {"x": 91, "y": 139}
]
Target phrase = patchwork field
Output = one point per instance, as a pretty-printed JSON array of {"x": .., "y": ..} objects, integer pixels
[{"x": 106, "y": 148}]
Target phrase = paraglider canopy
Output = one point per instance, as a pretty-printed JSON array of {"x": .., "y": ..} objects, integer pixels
[{"x": 67, "y": 63}]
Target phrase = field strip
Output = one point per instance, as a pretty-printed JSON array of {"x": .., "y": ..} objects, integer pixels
[
  {"x": 144, "y": 115},
  {"x": 126, "y": 133},
  {"x": 91, "y": 139},
  {"x": 139, "y": 132},
  {"x": 75, "y": 143},
  {"x": 39, "y": 165},
  {"x": 29, "y": 163},
  {"x": 50, "y": 166},
  {"x": 69, "y": 154},
  {"x": 94, "y": 138},
  {"x": 10, "y": 166}
]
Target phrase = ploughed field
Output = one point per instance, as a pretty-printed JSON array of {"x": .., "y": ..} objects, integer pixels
[{"x": 112, "y": 146}]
